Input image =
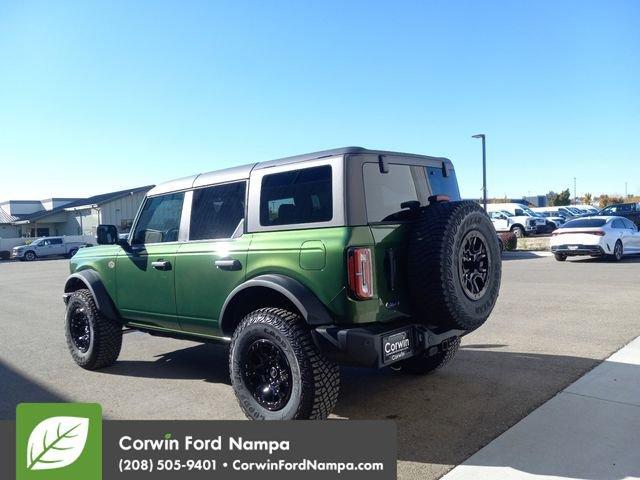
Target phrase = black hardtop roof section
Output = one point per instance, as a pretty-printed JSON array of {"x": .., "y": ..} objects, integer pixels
[
  {"x": 243, "y": 172},
  {"x": 339, "y": 151}
]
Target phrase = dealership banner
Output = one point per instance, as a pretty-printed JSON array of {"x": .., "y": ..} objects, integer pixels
[{"x": 72, "y": 441}]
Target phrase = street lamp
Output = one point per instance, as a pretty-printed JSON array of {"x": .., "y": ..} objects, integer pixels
[{"x": 484, "y": 169}]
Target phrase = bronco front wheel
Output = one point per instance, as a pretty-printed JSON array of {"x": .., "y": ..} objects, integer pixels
[
  {"x": 276, "y": 370},
  {"x": 94, "y": 341}
]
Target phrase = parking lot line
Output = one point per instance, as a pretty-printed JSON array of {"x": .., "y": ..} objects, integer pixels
[{"x": 590, "y": 430}]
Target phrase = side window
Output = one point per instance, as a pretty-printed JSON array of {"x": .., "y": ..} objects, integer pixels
[
  {"x": 625, "y": 208},
  {"x": 217, "y": 211},
  {"x": 159, "y": 220},
  {"x": 46, "y": 242},
  {"x": 56, "y": 241},
  {"x": 629, "y": 224},
  {"x": 297, "y": 196},
  {"x": 617, "y": 224},
  {"x": 518, "y": 212}
]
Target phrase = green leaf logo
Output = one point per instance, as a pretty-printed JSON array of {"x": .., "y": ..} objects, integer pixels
[{"x": 56, "y": 442}]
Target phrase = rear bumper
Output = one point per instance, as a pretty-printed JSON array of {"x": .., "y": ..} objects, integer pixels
[
  {"x": 380, "y": 345},
  {"x": 574, "y": 250}
]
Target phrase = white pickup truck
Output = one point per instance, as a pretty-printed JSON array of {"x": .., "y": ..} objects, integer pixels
[{"x": 47, "y": 247}]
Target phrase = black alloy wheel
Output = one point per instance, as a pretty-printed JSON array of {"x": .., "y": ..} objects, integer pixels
[
  {"x": 80, "y": 329},
  {"x": 473, "y": 265},
  {"x": 267, "y": 374}
]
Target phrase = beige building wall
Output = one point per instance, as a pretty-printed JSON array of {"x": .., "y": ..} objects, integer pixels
[{"x": 122, "y": 211}]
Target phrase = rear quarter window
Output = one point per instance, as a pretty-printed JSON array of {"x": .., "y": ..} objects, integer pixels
[
  {"x": 296, "y": 197},
  {"x": 585, "y": 223}
]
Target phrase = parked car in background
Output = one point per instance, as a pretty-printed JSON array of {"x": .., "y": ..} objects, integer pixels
[
  {"x": 586, "y": 209},
  {"x": 626, "y": 210},
  {"x": 47, "y": 247},
  {"x": 554, "y": 218},
  {"x": 596, "y": 236},
  {"x": 524, "y": 220},
  {"x": 501, "y": 221},
  {"x": 562, "y": 211}
]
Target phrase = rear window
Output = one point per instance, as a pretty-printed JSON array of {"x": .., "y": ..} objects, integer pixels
[
  {"x": 297, "y": 196},
  {"x": 585, "y": 223},
  {"x": 441, "y": 185},
  {"x": 386, "y": 192}
]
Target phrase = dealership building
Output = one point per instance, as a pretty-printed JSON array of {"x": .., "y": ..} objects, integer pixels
[{"x": 70, "y": 216}]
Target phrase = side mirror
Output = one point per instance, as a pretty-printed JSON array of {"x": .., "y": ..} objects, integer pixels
[{"x": 107, "y": 234}]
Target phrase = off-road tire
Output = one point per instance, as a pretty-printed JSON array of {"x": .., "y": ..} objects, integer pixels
[
  {"x": 106, "y": 334},
  {"x": 561, "y": 257},
  {"x": 518, "y": 231},
  {"x": 424, "y": 363},
  {"x": 29, "y": 255},
  {"x": 434, "y": 265},
  {"x": 315, "y": 379}
]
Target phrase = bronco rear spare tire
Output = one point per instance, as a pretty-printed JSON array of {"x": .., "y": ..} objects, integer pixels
[{"x": 454, "y": 266}]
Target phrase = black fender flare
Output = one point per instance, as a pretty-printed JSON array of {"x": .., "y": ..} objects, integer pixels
[
  {"x": 311, "y": 309},
  {"x": 91, "y": 279}
]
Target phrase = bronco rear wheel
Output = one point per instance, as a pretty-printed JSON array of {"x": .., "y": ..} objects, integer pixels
[
  {"x": 454, "y": 267},
  {"x": 276, "y": 370}
]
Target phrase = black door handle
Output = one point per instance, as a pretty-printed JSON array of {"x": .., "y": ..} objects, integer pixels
[
  {"x": 228, "y": 264},
  {"x": 161, "y": 265}
]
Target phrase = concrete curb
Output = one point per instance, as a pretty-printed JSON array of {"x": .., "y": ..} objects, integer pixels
[{"x": 590, "y": 430}]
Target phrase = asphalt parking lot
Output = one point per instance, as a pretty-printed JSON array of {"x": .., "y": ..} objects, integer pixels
[{"x": 553, "y": 322}]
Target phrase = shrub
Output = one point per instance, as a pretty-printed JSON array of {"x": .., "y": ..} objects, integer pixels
[{"x": 509, "y": 240}]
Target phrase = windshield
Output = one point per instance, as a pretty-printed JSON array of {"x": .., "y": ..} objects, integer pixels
[
  {"x": 529, "y": 212},
  {"x": 585, "y": 223},
  {"x": 575, "y": 210}
]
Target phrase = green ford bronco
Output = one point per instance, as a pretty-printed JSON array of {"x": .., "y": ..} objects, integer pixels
[{"x": 342, "y": 257}]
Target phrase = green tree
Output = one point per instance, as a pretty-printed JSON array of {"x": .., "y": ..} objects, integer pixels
[
  {"x": 559, "y": 199},
  {"x": 564, "y": 198}
]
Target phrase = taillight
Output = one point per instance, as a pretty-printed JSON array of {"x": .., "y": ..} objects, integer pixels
[{"x": 360, "y": 272}]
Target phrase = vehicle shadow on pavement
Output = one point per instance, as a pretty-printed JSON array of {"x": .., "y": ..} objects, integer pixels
[
  {"x": 445, "y": 417},
  {"x": 208, "y": 362},
  {"x": 17, "y": 388}
]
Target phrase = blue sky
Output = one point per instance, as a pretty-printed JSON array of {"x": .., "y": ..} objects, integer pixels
[{"x": 100, "y": 96}]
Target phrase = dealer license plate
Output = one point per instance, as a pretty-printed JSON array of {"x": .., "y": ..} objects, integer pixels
[{"x": 397, "y": 346}]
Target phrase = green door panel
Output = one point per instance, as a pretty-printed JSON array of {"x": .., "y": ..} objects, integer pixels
[
  {"x": 202, "y": 287},
  {"x": 313, "y": 255},
  {"x": 145, "y": 294}
]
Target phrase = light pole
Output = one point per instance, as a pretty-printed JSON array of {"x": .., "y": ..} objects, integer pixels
[{"x": 484, "y": 170}]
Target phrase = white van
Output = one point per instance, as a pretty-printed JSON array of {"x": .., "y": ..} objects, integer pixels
[{"x": 523, "y": 220}]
